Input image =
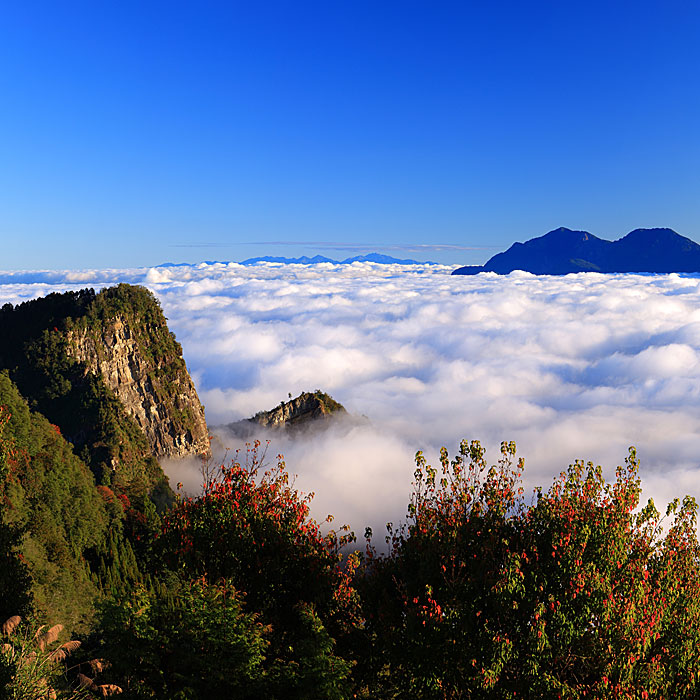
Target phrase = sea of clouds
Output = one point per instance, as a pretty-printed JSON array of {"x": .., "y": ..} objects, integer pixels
[{"x": 581, "y": 366}]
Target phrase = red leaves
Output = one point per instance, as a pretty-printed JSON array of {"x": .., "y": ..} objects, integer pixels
[
  {"x": 106, "y": 493},
  {"x": 251, "y": 527},
  {"x": 578, "y": 594}
]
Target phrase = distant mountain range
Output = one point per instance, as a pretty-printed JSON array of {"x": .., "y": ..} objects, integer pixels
[
  {"x": 304, "y": 260},
  {"x": 371, "y": 257},
  {"x": 563, "y": 251}
]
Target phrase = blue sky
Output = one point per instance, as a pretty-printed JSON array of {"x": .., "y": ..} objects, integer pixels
[{"x": 134, "y": 133}]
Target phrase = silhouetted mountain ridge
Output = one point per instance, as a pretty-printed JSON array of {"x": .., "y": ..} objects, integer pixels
[
  {"x": 315, "y": 260},
  {"x": 370, "y": 257},
  {"x": 564, "y": 251}
]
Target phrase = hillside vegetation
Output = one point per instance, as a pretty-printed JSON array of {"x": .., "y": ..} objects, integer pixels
[
  {"x": 71, "y": 354},
  {"x": 239, "y": 593},
  {"x": 81, "y": 484}
]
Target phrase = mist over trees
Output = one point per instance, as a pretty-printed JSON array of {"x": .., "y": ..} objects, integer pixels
[{"x": 482, "y": 591}]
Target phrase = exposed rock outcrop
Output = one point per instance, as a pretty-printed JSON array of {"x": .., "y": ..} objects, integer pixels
[
  {"x": 306, "y": 411},
  {"x": 303, "y": 409},
  {"x": 156, "y": 391}
]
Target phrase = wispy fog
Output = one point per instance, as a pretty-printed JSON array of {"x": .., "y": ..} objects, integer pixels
[{"x": 576, "y": 366}]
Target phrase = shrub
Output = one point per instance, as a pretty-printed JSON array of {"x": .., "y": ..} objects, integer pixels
[
  {"x": 184, "y": 640},
  {"x": 33, "y": 665},
  {"x": 576, "y": 595},
  {"x": 251, "y": 529}
]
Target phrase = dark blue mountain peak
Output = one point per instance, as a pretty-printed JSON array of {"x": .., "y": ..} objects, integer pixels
[
  {"x": 303, "y": 260},
  {"x": 563, "y": 251}
]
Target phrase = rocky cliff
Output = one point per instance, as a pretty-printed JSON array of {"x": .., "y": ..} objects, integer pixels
[
  {"x": 305, "y": 408},
  {"x": 296, "y": 415},
  {"x": 106, "y": 370},
  {"x": 155, "y": 390}
]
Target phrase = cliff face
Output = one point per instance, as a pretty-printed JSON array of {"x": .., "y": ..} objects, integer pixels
[
  {"x": 156, "y": 391},
  {"x": 106, "y": 370},
  {"x": 306, "y": 412}
]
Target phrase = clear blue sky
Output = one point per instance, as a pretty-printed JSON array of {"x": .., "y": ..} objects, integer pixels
[{"x": 133, "y": 133}]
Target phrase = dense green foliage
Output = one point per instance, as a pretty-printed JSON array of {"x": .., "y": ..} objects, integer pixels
[
  {"x": 237, "y": 593},
  {"x": 329, "y": 404},
  {"x": 49, "y": 495},
  {"x": 15, "y": 580},
  {"x": 186, "y": 639},
  {"x": 64, "y": 542}
]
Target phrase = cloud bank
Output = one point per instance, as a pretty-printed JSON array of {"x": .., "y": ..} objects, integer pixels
[{"x": 577, "y": 366}]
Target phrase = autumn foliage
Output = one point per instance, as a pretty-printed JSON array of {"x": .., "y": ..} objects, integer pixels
[
  {"x": 577, "y": 594},
  {"x": 253, "y": 528},
  {"x": 251, "y": 532}
]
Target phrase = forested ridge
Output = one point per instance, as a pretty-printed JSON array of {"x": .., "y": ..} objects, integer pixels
[
  {"x": 484, "y": 591},
  {"x": 44, "y": 347}
]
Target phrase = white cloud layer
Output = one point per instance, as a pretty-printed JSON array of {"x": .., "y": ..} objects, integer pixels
[{"x": 576, "y": 366}]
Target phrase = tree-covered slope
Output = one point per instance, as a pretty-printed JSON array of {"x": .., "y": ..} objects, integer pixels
[{"x": 49, "y": 495}]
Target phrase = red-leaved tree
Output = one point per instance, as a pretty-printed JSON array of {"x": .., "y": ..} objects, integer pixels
[
  {"x": 579, "y": 594},
  {"x": 254, "y": 530}
]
